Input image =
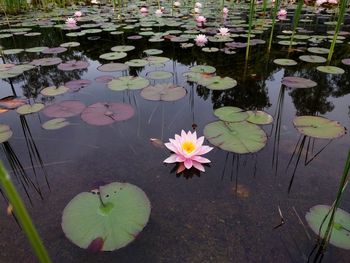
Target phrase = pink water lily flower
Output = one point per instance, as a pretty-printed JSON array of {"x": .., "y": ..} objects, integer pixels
[
  {"x": 187, "y": 149},
  {"x": 198, "y": 5},
  {"x": 143, "y": 10},
  {"x": 225, "y": 10},
  {"x": 71, "y": 21},
  {"x": 201, "y": 40},
  {"x": 158, "y": 12},
  {"x": 223, "y": 31},
  {"x": 78, "y": 14},
  {"x": 282, "y": 12}
]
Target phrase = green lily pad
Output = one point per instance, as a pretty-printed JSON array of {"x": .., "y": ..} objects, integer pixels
[
  {"x": 159, "y": 75},
  {"x": 113, "y": 67},
  {"x": 340, "y": 235},
  {"x": 210, "y": 49},
  {"x": 113, "y": 55},
  {"x": 219, "y": 83},
  {"x": 259, "y": 117},
  {"x": 122, "y": 48},
  {"x": 5, "y": 133},
  {"x": 54, "y": 91},
  {"x": 285, "y": 62},
  {"x": 163, "y": 92},
  {"x": 231, "y": 114},
  {"x": 157, "y": 60},
  {"x": 28, "y": 109},
  {"x": 35, "y": 49},
  {"x": 318, "y": 50},
  {"x": 153, "y": 51},
  {"x": 114, "y": 216},
  {"x": 128, "y": 82},
  {"x": 137, "y": 63},
  {"x": 319, "y": 127},
  {"x": 203, "y": 69},
  {"x": 70, "y": 44},
  {"x": 55, "y": 124},
  {"x": 238, "y": 137},
  {"x": 298, "y": 83},
  {"x": 331, "y": 70},
  {"x": 12, "y": 51},
  {"x": 313, "y": 59}
]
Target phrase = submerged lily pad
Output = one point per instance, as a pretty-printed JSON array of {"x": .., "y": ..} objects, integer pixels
[
  {"x": 259, "y": 117},
  {"x": 64, "y": 109},
  {"x": 231, "y": 114},
  {"x": 104, "y": 113},
  {"x": 128, "y": 82},
  {"x": 331, "y": 70},
  {"x": 298, "y": 83},
  {"x": 319, "y": 127},
  {"x": 340, "y": 235},
  {"x": 5, "y": 133},
  {"x": 238, "y": 137},
  {"x": 54, "y": 91},
  {"x": 164, "y": 92},
  {"x": 109, "y": 220},
  {"x": 28, "y": 109},
  {"x": 55, "y": 124}
]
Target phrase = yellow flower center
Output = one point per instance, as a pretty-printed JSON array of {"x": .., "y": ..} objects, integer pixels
[{"x": 188, "y": 146}]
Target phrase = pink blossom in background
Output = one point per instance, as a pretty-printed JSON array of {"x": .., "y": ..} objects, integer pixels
[
  {"x": 201, "y": 40},
  {"x": 187, "y": 149},
  {"x": 78, "y": 14},
  {"x": 223, "y": 31}
]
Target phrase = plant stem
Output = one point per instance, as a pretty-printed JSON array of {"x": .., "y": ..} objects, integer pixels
[
  {"x": 277, "y": 3},
  {"x": 251, "y": 13},
  {"x": 23, "y": 216}
]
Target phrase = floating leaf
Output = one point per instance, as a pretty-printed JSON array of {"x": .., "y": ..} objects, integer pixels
[
  {"x": 113, "y": 55},
  {"x": 122, "y": 48},
  {"x": 11, "y": 102},
  {"x": 103, "y": 113},
  {"x": 75, "y": 85},
  {"x": 46, "y": 61},
  {"x": 159, "y": 75},
  {"x": 298, "y": 83},
  {"x": 54, "y": 91},
  {"x": 104, "y": 79},
  {"x": 313, "y": 59},
  {"x": 64, "y": 109},
  {"x": 238, "y": 137},
  {"x": 128, "y": 82},
  {"x": 35, "y": 49},
  {"x": 5, "y": 133},
  {"x": 330, "y": 70},
  {"x": 203, "y": 69},
  {"x": 318, "y": 50},
  {"x": 12, "y": 51},
  {"x": 319, "y": 127},
  {"x": 115, "y": 216},
  {"x": 164, "y": 92},
  {"x": 231, "y": 114},
  {"x": 219, "y": 83},
  {"x": 137, "y": 63},
  {"x": 73, "y": 64},
  {"x": 259, "y": 117},
  {"x": 113, "y": 67},
  {"x": 153, "y": 51},
  {"x": 55, "y": 124},
  {"x": 54, "y": 50},
  {"x": 28, "y": 109},
  {"x": 285, "y": 62},
  {"x": 70, "y": 44},
  {"x": 340, "y": 231}
]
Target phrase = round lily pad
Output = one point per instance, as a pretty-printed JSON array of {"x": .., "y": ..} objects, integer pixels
[
  {"x": 219, "y": 83},
  {"x": 164, "y": 92},
  {"x": 73, "y": 64},
  {"x": 104, "y": 113},
  {"x": 319, "y": 127},
  {"x": 318, "y": 50},
  {"x": 210, "y": 49},
  {"x": 113, "y": 67},
  {"x": 153, "y": 51},
  {"x": 12, "y": 51},
  {"x": 35, "y": 49},
  {"x": 11, "y": 102},
  {"x": 46, "y": 61},
  {"x": 259, "y": 117},
  {"x": 122, "y": 48},
  {"x": 54, "y": 50},
  {"x": 128, "y": 82},
  {"x": 313, "y": 59},
  {"x": 157, "y": 60},
  {"x": 54, "y": 91},
  {"x": 159, "y": 75},
  {"x": 331, "y": 70},
  {"x": 137, "y": 63},
  {"x": 238, "y": 137},
  {"x": 346, "y": 61},
  {"x": 5, "y": 133},
  {"x": 104, "y": 79},
  {"x": 64, "y": 109},
  {"x": 285, "y": 62},
  {"x": 28, "y": 109},
  {"x": 55, "y": 124},
  {"x": 340, "y": 235},
  {"x": 75, "y": 85},
  {"x": 231, "y": 114},
  {"x": 298, "y": 82},
  {"x": 108, "y": 220},
  {"x": 203, "y": 69},
  {"x": 113, "y": 55},
  {"x": 70, "y": 44}
]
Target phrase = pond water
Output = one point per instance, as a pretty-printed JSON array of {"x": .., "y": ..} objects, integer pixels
[{"x": 230, "y": 213}]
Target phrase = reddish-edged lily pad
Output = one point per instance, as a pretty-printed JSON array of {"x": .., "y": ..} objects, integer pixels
[
  {"x": 298, "y": 82},
  {"x": 46, "y": 61},
  {"x": 73, "y": 64},
  {"x": 54, "y": 50},
  {"x": 64, "y": 109},
  {"x": 11, "y": 102},
  {"x": 105, "y": 113},
  {"x": 75, "y": 85}
]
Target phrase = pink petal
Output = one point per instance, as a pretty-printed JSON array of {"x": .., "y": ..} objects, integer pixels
[
  {"x": 188, "y": 163},
  {"x": 198, "y": 166},
  {"x": 200, "y": 159},
  {"x": 181, "y": 168},
  {"x": 180, "y": 159},
  {"x": 171, "y": 159},
  {"x": 170, "y": 146},
  {"x": 200, "y": 141},
  {"x": 204, "y": 149}
]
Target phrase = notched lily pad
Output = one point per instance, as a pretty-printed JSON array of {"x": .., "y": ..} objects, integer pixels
[
  {"x": 163, "y": 92},
  {"x": 298, "y": 82},
  {"x": 64, "y": 109},
  {"x": 5, "y": 133},
  {"x": 259, "y": 117},
  {"x": 128, "y": 82},
  {"x": 28, "y": 109},
  {"x": 231, "y": 114},
  {"x": 54, "y": 91},
  {"x": 55, "y": 124}
]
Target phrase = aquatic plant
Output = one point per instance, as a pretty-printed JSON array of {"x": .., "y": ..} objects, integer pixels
[
  {"x": 188, "y": 149},
  {"x": 22, "y": 216}
]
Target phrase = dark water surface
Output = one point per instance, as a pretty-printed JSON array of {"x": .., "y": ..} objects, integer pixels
[{"x": 214, "y": 217}]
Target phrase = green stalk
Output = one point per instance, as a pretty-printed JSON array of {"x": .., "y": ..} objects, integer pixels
[
  {"x": 264, "y": 7},
  {"x": 296, "y": 21},
  {"x": 277, "y": 3},
  {"x": 341, "y": 15},
  {"x": 23, "y": 216},
  {"x": 251, "y": 13}
]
